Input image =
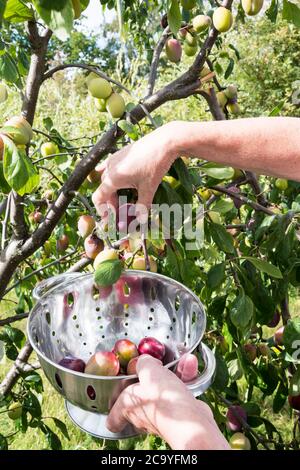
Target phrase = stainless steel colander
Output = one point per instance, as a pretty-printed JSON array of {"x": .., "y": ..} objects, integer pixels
[{"x": 74, "y": 317}]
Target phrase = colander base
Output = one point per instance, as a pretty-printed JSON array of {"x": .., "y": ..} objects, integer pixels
[{"x": 94, "y": 423}]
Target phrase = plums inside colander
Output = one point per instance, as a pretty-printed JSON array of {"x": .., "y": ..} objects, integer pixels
[
  {"x": 125, "y": 350},
  {"x": 72, "y": 363},
  {"x": 103, "y": 363},
  {"x": 153, "y": 347}
]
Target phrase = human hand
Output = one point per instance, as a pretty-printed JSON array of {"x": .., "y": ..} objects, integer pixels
[
  {"x": 160, "y": 403},
  {"x": 140, "y": 165}
]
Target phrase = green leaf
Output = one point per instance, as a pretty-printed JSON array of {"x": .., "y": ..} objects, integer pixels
[
  {"x": 276, "y": 111},
  {"x": 57, "y": 5},
  {"x": 60, "y": 22},
  {"x": 265, "y": 267},
  {"x": 223, "y": 205},
  {"x": 17, "y": 12},
  {"x": 52, "y": 438},
  {"x": 15, "y": 335},
  {"x": 174, "y": 16},
  {"x": 62, "y": 427},
  {"x": 2, "y": 8},
  {"x": 235, "y": 50},
  {"x": 295, "y": 383},
  {"x": 183, "y": 175},
  {"x": 172, "y": 263},
  {"x": 216, "y": 276},
  {"x": 235, "y": 370},
  {"x": 291, "y": 338},
  {"x": 3, "y": 442},
  {"x": 272, "y": 11},
  {"x": 221, "y": 375},
  {"x": 4, "y": 187},
  {"x": 32, "y": 405},
  {"x": 291, "y": 13},
  {"x": 222, "y": 238},
  {"x": 280, "y": 397},
  {"x": 19, "y": 171},
  {"x": 229, "y": 69},
  {"x": 218, "y": 172},
  {"x": 8, "y": 68},
  {"x": 129, "y": 129},
  {"x": 108, "y": 272},
  {"x": 242, "y": 311}
]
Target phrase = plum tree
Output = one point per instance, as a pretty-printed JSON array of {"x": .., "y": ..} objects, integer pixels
[
  {"x": 48, "y": 148},
  {"x": 115, "y": 105},
  {"x": 76, "y": 9},
  {"x": 233, "y": 108},
  {"x": 222, "y": 19},
  {"x": 108, "y": 254},
  {"x": 281, "y": 184},
  {"x": 215, "y": 217},
  {"x": 233, "y": 414},
  {"x": 103, "y": 363},
  {"x": 173, "y": 50},
  {"x": 3, "y": 93},
  {"x": 36, "y": 217},
  {"x": 125, "y": 350},
  {"x": 139, "y": 263},
  {"x": 188, "y": 4},
  {"x": 201, "y": 23},
  {"x": 275, "y": 320},
  {"x": 72, "y": 363},
  {"x": 62, "y": 243},
  {"x": 153, "y": 347},
  {"x": 93, "y": 246},
  {"x": 15, "y": 410},
  {"x": 239, "y": 441},
  {"x": 99, "y": 88},
  {"x": 252, "y": 7},
  {"x": 85, "y": 225},
  {"x": 264, "y": 350},
  {"x": 187, "y": 369}
]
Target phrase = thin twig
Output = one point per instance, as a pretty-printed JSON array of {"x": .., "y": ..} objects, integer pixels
[
  {"x": 5, "y": 222},
  {"x": 12, "y": 319},
  {"x": 243, "y": 199},
  {"x": 155, "y": 61}
]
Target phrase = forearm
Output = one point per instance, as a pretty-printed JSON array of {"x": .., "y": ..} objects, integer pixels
[{"x": 264, "y": 145}]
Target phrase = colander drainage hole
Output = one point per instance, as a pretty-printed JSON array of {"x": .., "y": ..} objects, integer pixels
[
  {"x": 70, "y": 299},
  {"x": 177, "y": 302},
  {"x": 48, "y": 318},
  {"x": 194, "y": 317},
  {"x": 97, "y": 309},
  {"x": 74, "y": 317},
  {"x": 36, "y": 339},
  {"x": 149, "y": 327},
  {"x": 150, "y": 318},
  {"x": 126, "y": 315},
  {"x": 151, "y": 309},
  {"x": 94, "y": 407},
  {"x": 58, "y": 380},
  {"x": 53, "y": 333},
  {"x": 95, "y": 293},
  {"x": 91, "y": 393}
]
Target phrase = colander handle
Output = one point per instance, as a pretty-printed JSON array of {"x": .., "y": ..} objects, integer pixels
[
  {"x": 204, "y": 380},
  {"x": 44, "y": 286}
]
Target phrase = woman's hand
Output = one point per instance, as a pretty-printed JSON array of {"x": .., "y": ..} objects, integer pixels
[
  {"x": 161, "y": 404},
  {"x": 140, "y": 165}
]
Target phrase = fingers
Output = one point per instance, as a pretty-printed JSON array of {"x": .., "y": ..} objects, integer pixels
[
  {"x": 145, "y": 198},
  {"x": 187, "y": 368},
  {"x": 148, "y": 370},
  {"x": 116, "y": 420},
  {"x": 105, "y": 194}
]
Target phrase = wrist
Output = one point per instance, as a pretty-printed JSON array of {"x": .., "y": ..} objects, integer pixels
[{"x": 172, "y": 140}]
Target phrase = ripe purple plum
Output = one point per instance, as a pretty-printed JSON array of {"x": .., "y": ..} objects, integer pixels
[
  {"x": 294, "y": 401},
  {"x": 250, "y": 351},
  {"x": 93, "y": 246},
  {"x": 233, "y": 423},
  {"x": 125, "y": 350},
  {"x": 103, "y": 363},
  {"x": 275, "y": 320},
  {"x": 237, "y": 202},
  {"x": 72, "y": 363},
  {"x": 187, "y": 369},
  {"x": 86, "y": 225},
  {"x": 153, "y": 347},
  {"x": 278, "y": 336},
  {"x": 131, "y": 367},
  {"x": 173, "y": 50}
]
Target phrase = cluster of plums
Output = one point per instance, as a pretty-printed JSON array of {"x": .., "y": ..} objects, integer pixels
[
  {"x": 129, "y": 249},
  {"x": 227, "y": 99},
  {"x": 120, "y": 361},
  {"x": 222, "y": 21},
  {"x": 106, "y": 99}
]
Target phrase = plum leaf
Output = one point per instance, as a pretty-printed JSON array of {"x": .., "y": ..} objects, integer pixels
[
  {"x": 174, "y": 16},
  {"x": 217, "y": 171},
  {"x": 265, "y": 267},
  {"x": 60, "y": 22},
  {"x": 221, "y": 238},
  {"x": 3, "y": 442},
  {"x": 216, "y": 276},
  {"x": 108, "y": 272},
  {"x": 17, "y": 12},
  {"x": 242, "y": 311},
  {"x": 291, "y": 338},
  {"x": 19, "y": 171},
  {"x": 291, "y": 13}
]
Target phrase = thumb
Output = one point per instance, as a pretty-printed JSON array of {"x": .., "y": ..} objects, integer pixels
[{"x": 145, "y": 198}]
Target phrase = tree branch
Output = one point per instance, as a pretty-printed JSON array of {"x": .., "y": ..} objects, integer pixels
[
  {"x": 155, "y": 61},
  {"x": 17, "y": 218},
  {"x": 244, "y": 199},
  {"x": 9, "y": 320},
  {"x": 253, "y": 181},
  {"x": 90, "y": 68}
]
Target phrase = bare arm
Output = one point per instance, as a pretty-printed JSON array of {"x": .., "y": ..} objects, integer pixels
[{"x": 264, "y": 145}]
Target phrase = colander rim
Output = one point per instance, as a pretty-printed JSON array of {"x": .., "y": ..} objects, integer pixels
[{"x": 110, "y": 377}]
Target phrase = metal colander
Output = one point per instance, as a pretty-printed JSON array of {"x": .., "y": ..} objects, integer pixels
[{"x": 74, "y": 317}]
